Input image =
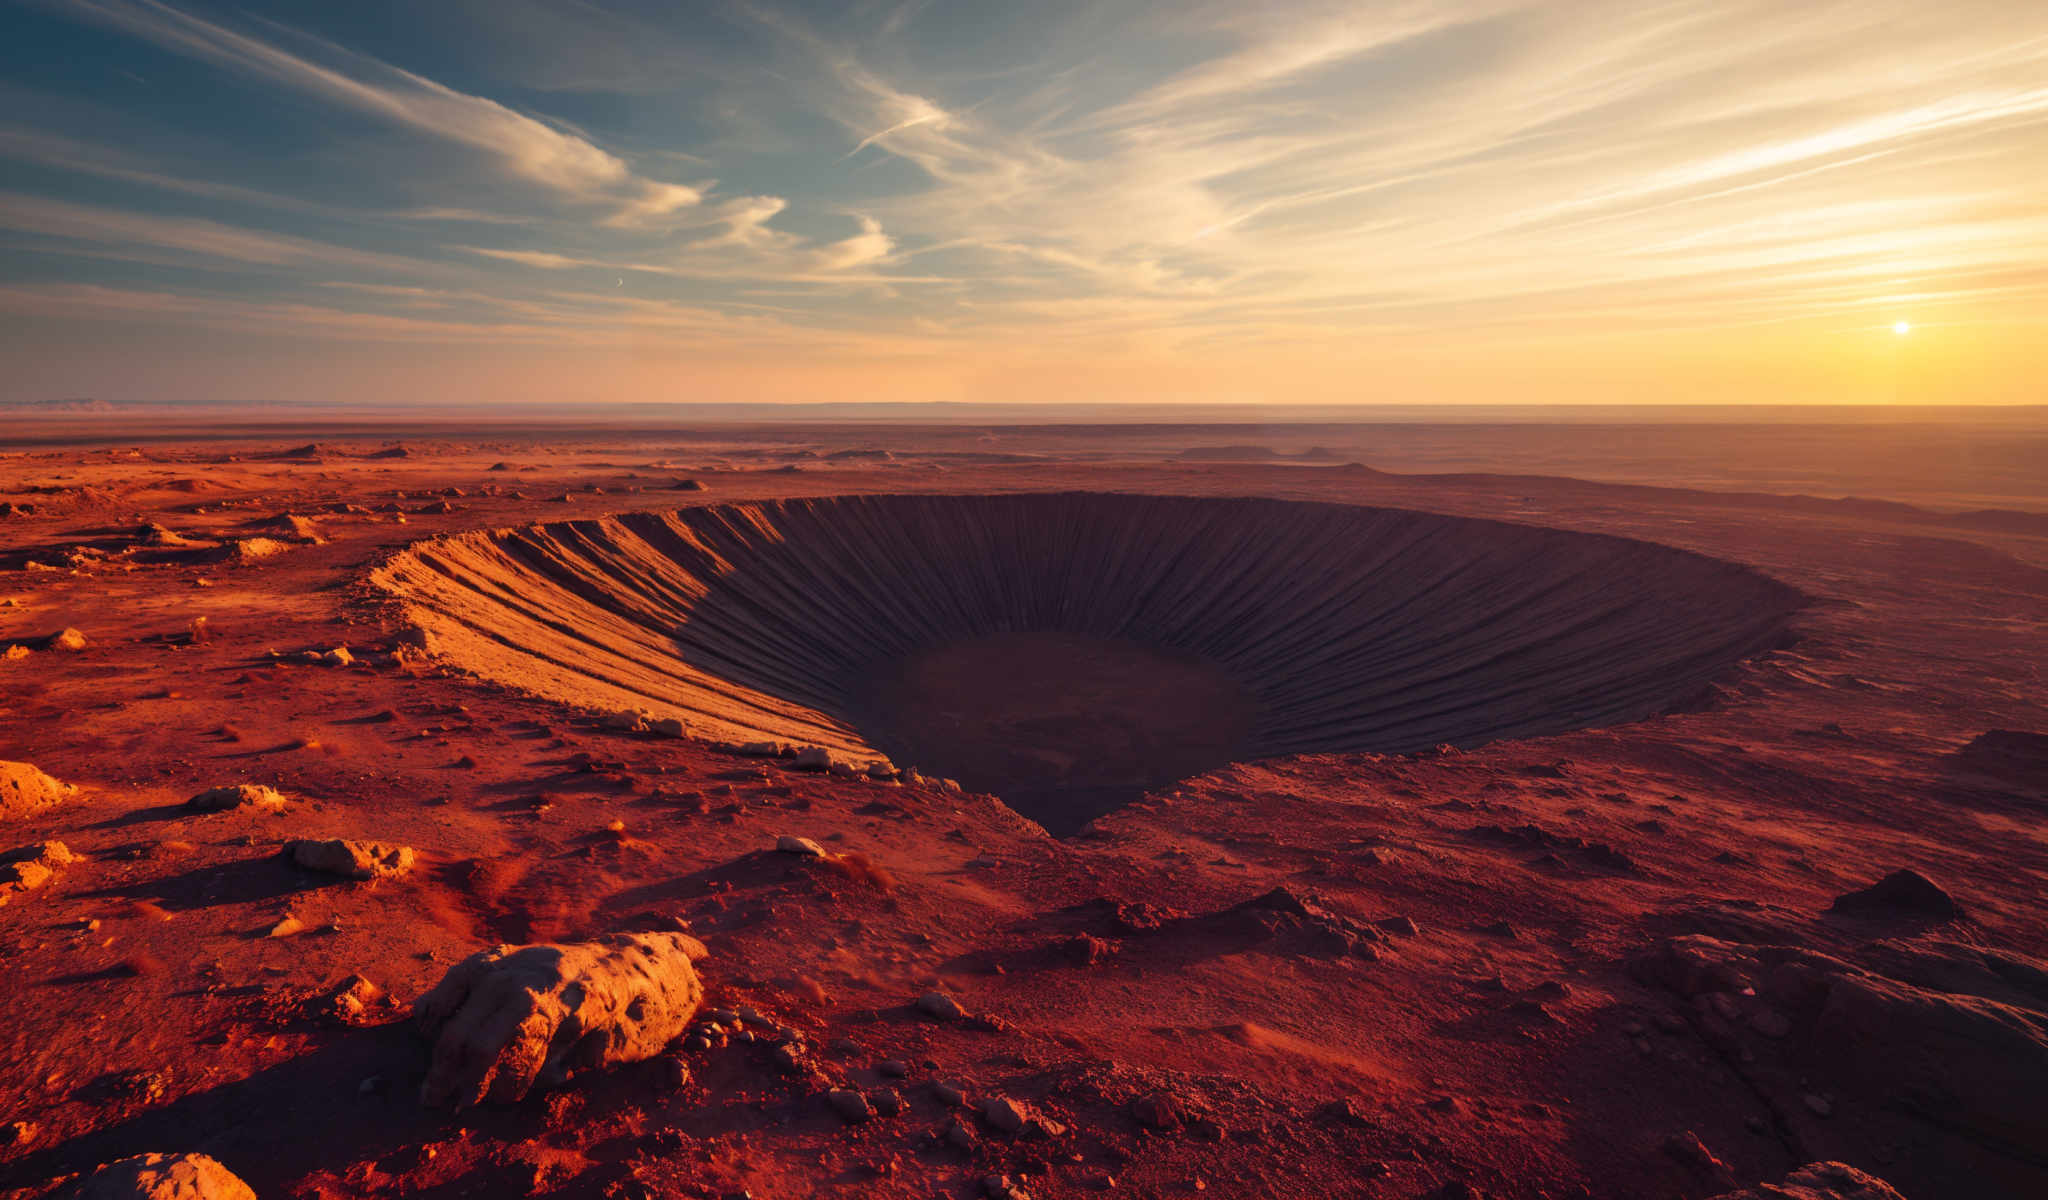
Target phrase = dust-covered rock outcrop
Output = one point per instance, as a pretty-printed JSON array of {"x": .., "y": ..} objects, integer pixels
[
  {"x": 351, "y": 859},
  {"x": 1820, "y": 1181},
  {"x": 1934, "y": 1043},
  {"x": 27, "y": 868},
  {"x": 1904, "y": 892},
  {"x": 164, "y": 1177},
  {"x": 237, "y": 795},
  {"x": 25, "y": 790},
  {"x": 511, "y": 1018}
]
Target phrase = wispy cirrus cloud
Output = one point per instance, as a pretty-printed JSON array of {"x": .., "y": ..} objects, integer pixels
[
  {"x": 1116, "y": 183},
  {"x": 543, "y": 259},
  {"x": 111, "y": 229},
  {"x": 525, "y": 147}
]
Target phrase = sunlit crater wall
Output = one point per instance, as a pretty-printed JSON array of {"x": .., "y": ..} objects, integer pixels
[{"x": 871, "y": 625}]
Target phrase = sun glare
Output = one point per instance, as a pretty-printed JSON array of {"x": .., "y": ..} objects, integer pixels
[{"x": 1902, "y": 328}]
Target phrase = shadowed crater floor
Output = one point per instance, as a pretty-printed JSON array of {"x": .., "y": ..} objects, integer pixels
[{"x": 1070, "y": 651}]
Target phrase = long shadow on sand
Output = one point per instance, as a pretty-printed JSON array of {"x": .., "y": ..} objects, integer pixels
[
  {"x": 243, "y": 881},
  {"x": 278, "y": 1124}
]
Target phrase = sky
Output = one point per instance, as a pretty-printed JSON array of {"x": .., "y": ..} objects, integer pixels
[{"x": 479, "y": 202}]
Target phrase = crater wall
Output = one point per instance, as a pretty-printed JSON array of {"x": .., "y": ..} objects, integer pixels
[{"x": 1213, "y": 629}]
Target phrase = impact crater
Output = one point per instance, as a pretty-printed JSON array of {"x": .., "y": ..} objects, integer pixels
[{"x": 1070, "y": 651}]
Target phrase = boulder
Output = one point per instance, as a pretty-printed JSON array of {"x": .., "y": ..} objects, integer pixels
[
  {"x": 940, "y": 1007},
  {"x": 153, "y": 534},
  {"x": 1158, "y": 1110},
  {"x": 24, "y": 790},
  {"x": 237, "y": 795},
  {"x": 1950, "y": 1036},
  {"x": 1904, "y": 892},
  {"x": 1005, "y": 1115},
  {"x": 1819, "y": 1181},
  {"x": 26, "y": 868},
  {"x": 294, "y": 527},
  {"x": 351, "y": 859},
  {"x": 510, "y": 1018},
  {"x": 164, "y": 1177},
  {"x": 248, "y": 549},
  {"x": 346, "y": 1003},
  {"x": 851, "y": 1106},
  {"x": 2014, "y": 756}
]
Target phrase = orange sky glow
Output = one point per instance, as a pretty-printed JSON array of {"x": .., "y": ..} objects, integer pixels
[{"x": 1471, "y": 201}]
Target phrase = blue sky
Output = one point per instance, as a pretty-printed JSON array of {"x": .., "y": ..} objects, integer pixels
[{"x": 1474, "y": 199}]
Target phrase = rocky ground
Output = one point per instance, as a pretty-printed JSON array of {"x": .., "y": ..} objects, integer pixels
[{"x": 1635, "y": 961}]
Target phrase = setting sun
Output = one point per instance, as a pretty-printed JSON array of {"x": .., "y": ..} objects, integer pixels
[
  {"x": 795, "y": 201},
  {"x": 1902, "y": 328}
]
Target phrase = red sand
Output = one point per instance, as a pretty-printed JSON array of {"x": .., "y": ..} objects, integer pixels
[{"x": 1536, "y": 1031}]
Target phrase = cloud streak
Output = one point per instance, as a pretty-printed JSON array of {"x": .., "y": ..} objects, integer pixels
[
  {"x": 523, "y": 146},
  {"x": 1119, "y": 184}
]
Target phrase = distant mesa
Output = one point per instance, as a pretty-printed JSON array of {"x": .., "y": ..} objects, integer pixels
[
  {"x": 67, "y": 406},
  {"x": 1251, "y": 453},
  {"x": 1069, "y": 652},
  {"x": 391, "y": 452}
]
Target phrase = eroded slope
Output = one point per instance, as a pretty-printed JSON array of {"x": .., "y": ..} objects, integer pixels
[{"x": 1292, "y": 627}]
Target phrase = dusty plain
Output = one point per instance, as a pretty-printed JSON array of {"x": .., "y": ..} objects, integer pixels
[{"x": 1603, "y": 962}]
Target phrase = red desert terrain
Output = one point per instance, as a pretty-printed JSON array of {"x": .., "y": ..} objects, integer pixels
[{"x": 911, "y": 814}]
